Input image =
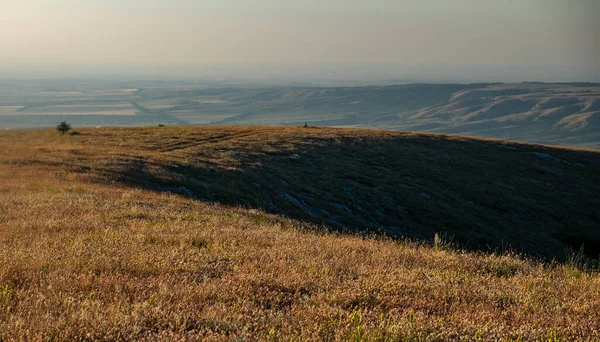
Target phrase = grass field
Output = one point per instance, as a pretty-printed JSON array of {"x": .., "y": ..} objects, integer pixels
[{"x": 238, "y": 233}]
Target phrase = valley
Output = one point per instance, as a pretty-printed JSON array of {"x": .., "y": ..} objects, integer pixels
[{"x": 547, "y": 113}]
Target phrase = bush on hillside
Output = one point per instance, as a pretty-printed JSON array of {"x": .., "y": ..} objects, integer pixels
[{"x": 63, "y": 127}]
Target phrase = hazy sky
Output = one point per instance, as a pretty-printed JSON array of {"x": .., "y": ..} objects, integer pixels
[{"x": 468, "y": 39}]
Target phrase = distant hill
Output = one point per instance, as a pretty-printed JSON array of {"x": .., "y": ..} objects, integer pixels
[
  {"x": 549, "y": 113},
  {"x": 567, "y": 114}
]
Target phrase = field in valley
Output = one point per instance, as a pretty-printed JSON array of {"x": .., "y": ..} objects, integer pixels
[{"x": 288, "y": 233}]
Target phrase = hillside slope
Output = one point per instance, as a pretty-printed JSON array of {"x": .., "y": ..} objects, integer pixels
[
  {"x": 164, "y": 233},
  {"x": 485, "y": 194}
]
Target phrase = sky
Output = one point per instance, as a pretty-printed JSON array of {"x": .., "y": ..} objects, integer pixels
[{"x": 476, "y": 40}]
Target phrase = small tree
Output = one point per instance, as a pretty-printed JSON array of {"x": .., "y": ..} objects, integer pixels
[{"x": 63, "y": 127}]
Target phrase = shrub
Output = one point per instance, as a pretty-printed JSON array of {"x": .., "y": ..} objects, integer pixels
[{"x": 63, "y": 127}]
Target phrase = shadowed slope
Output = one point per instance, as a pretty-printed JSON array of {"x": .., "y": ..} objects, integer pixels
[{"x": 485, "y": 194}]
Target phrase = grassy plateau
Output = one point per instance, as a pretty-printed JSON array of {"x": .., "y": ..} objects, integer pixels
[{"x": 295, "y": 234}]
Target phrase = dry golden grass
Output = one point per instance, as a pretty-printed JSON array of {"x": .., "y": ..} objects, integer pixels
[{"x": 83, "y": 259}]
